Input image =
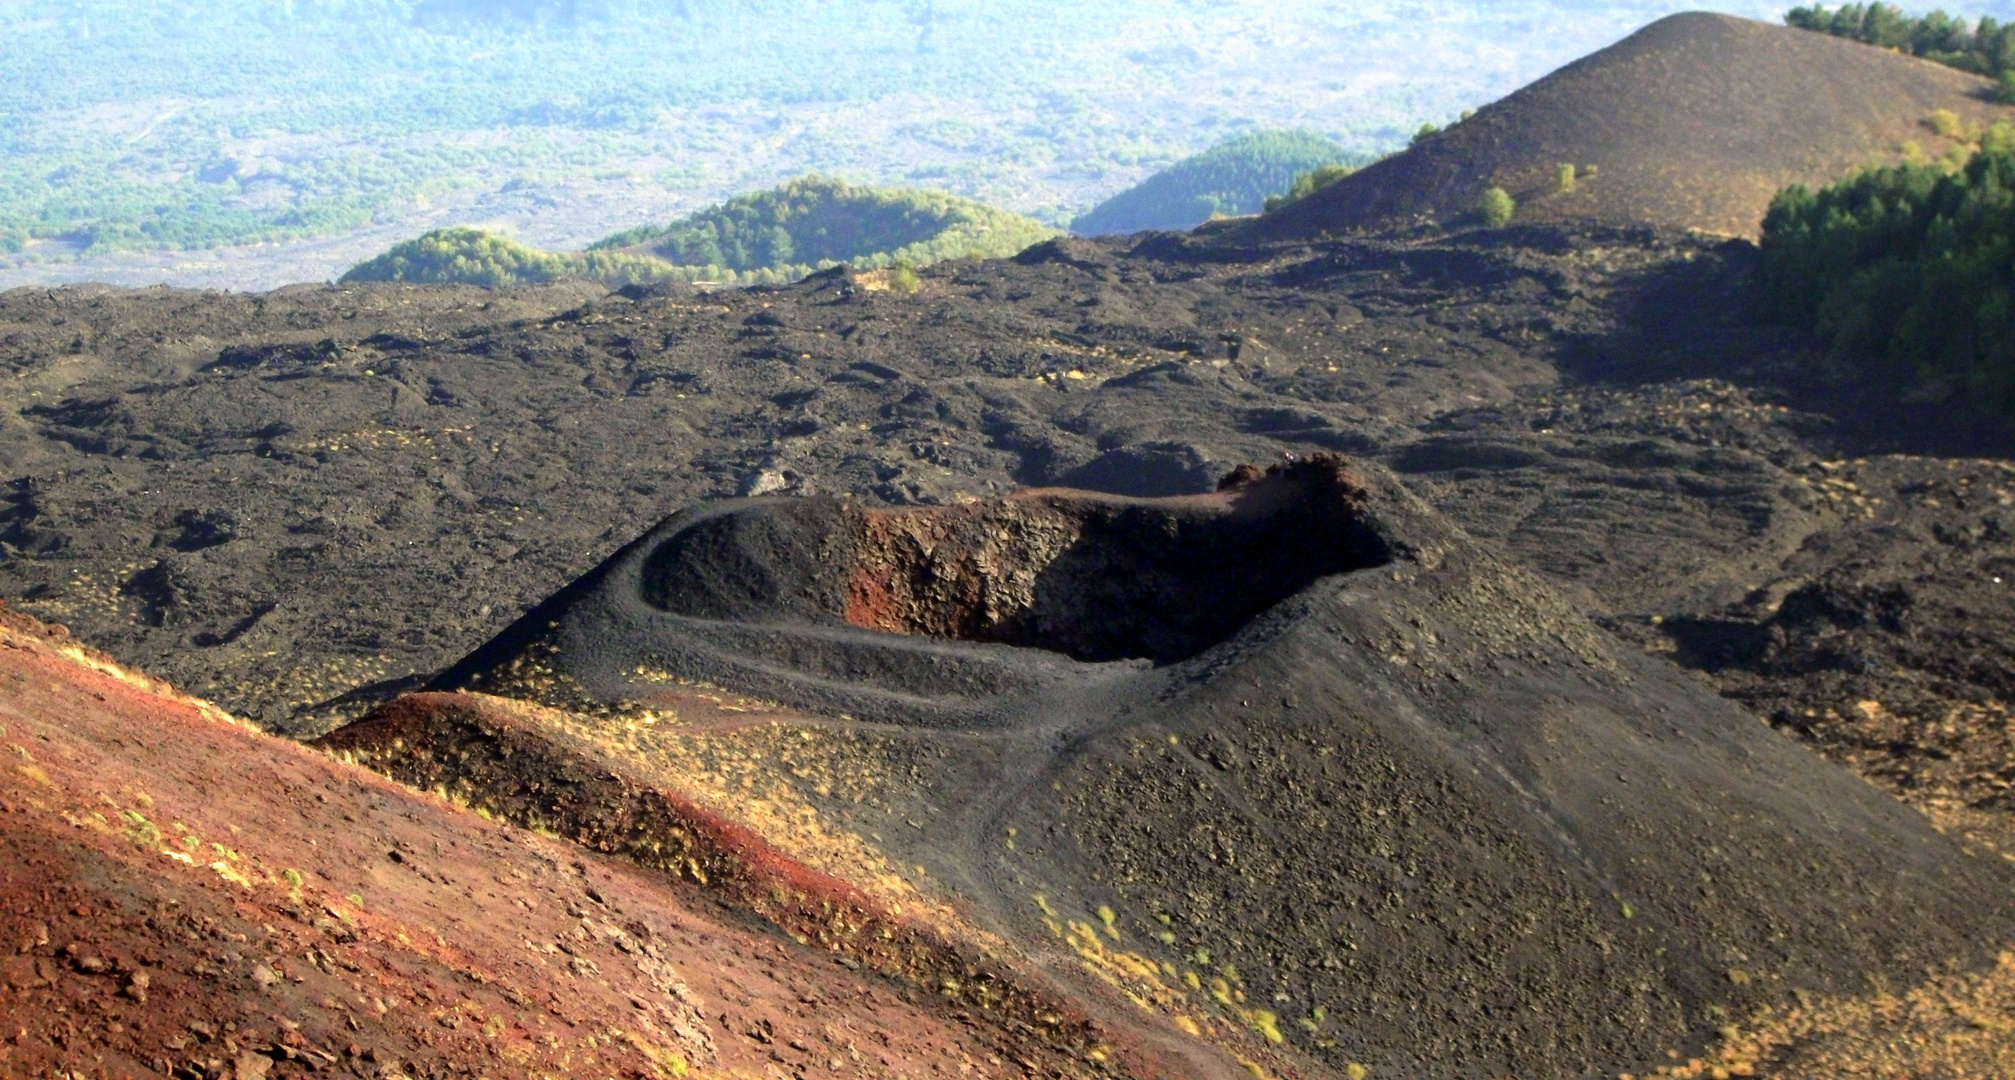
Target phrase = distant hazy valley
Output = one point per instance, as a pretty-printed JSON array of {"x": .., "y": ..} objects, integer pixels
[{"x": 250, "y": 144}]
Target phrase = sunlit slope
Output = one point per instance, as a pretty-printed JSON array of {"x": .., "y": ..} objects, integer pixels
[
  {"x": 1694, "y": 122},
  {"x": 818, "y": 221},
  {"x": 1233, "y": 177},
  {"x": 765, "y": 238}
]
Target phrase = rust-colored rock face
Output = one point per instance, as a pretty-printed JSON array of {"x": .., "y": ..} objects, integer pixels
[
  {"x": 1102, "y": 578},
  {"x": 1095, "y": 577}
]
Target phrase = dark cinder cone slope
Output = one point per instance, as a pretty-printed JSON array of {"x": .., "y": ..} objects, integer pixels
[
  {"x": 1693, "y": 122},
  {"x": 1332, "y": 774}
]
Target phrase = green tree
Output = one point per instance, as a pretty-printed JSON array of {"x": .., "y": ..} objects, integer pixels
[
  {"x": 464, "y": 255},
  {"x": 1497, "y": 207},
  {"x": 1985, "y": 47}
]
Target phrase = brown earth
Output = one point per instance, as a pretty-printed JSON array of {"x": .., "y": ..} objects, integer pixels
[
  {"x": 182, "y": 895},
  {"x": 1694, "y": 122}
]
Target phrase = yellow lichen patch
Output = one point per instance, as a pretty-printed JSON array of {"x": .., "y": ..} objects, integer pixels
[
  {"x": 1956, "y": 1026},
  {"x": 1139, "y": 977}
]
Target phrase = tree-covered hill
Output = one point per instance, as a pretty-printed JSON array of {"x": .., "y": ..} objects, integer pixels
[
  {"x": 1234, "y": 177},
  {"x": 817, "y": 221},
  {"x": 469, "y": 256},
  {"x": 763, "y": 238}
]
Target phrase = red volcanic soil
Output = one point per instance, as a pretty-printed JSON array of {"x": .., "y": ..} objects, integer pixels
[
  {"x": 501, "y": 758},
  {"x": 181, "y": 895}
]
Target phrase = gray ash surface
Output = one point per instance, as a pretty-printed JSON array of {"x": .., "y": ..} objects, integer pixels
[{"x": 296, "y": 502}]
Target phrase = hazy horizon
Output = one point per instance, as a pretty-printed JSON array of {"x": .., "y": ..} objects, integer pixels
[{"x": 250, "y": 143}]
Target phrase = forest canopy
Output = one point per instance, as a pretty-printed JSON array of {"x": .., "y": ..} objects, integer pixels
[
  {"x": 1985, "y": 47},
  {"x": 817, "y": 221},
  {"x": 1905, "y": 273},
  {"x": 1237, "y": 176}
]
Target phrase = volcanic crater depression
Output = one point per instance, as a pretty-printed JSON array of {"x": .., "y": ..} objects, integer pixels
[{"x": 1096, "y": 577}]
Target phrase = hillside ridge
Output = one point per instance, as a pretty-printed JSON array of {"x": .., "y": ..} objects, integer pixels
[{"x": 1694, "y": 122}]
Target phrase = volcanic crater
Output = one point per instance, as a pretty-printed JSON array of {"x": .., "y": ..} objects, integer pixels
[{"x": 1097, "y": 577}]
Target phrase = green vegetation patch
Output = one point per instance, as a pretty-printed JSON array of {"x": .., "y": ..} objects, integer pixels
[
  {"x": 463, "y": 255},
  {"x": 1309, "y": 183},
  {"x": 769, "y": 237},
  {"x": 1984, "y": 48},
  {"x": 1238, "y": 176},
  {"x": 1906, "y": 273},
  {"x": 816, "y": 222},
  {"x": 1497, "y": 208},
  {"x": 466, "y": 256}
]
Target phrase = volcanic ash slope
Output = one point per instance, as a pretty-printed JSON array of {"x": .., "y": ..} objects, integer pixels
[
  {"x": 1305, "y": 773},
  {"x": 1694, "y": 122}
]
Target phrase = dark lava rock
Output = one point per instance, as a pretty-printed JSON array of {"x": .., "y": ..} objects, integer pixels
[{"x": 1372, "y": 775}]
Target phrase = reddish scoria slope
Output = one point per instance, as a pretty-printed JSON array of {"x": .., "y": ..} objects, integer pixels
[{"x": 182, "y": 896}]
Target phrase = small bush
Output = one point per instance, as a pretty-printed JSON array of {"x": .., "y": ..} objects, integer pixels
[
  {"x": 1564, "y": 178},
  {"x": 1497, "y": 207},
  {"x": 1427, "y": 131},
  {"x": 1945, "y": 123},
  {"x": 903, "y": 279}
]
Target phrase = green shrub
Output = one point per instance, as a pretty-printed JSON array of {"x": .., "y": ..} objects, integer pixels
[
  {"x": 1564, "y": 178},
  {"x": 1497, "y": 207},
  {"x": 903, "y": 279}
]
